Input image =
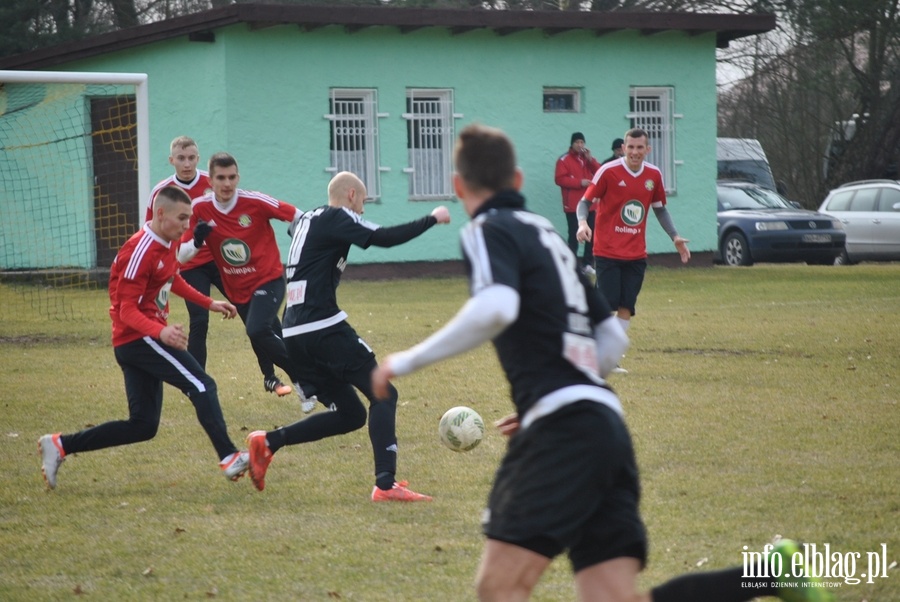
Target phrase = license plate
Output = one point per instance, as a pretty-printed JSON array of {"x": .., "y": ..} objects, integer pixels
[{"x": 817, "y": 238}]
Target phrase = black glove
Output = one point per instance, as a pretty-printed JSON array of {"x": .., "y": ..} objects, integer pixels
[{"x": 201, "y": 231}]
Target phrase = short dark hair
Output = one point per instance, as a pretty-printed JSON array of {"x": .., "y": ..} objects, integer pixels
[
  {"x": 637, "y": 133},
  {"x": 221, "y": 159},
  {"x": 485, "y": 158},
  {"x": 174, "y": 194}
]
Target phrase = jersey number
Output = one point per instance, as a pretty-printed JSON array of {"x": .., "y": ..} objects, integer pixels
[
  {"x": 297, "y": 242},
  {"x": 566, "y": 266}
]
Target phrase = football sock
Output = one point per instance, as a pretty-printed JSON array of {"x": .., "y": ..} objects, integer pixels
[
  {"x": 384, "y": 480},
  {"x": 275, "y": 440},
  {"x": 625, "y": 323},
  {"x": 728, "y": 585}
]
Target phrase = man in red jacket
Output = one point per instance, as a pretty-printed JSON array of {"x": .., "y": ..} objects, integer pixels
[
  {"x": 574, "y": 172},
  {"x": 149, "y": 350}
]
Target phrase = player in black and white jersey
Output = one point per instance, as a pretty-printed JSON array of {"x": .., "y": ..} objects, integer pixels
[
  {"x": 324, "y": 348},
  {"x": 569, "y": 479}
]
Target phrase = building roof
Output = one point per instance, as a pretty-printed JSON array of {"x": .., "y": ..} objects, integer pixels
[{"x": 201, "y": 27}]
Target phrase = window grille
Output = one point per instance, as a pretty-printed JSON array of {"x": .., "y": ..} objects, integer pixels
[
  {"x": 353, "y": 120},
  {"x": 430, "y": 138}
]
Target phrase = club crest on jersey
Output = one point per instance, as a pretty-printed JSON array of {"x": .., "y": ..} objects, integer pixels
[
  {"x": 162, "y": 297},
  {"x": 648, "y": 184},
  {"x": 244, "y": 221},
  {"x": 632, "y": 213},
  {"x": 235, "y": 251}
]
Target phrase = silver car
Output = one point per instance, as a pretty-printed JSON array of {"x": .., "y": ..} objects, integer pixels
[{"x": 870, "y": 212}]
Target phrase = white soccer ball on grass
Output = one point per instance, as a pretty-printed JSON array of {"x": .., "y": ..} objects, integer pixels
[{"x": 461, "y": 429}]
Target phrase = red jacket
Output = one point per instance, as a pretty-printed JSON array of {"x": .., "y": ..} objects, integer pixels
[{"x": 571, "y": 169}]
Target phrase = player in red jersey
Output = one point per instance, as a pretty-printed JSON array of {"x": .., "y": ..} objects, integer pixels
[
  {"x": 184, "y": 156},
  {"x": 148, "y": 349},
  {"x": 234, "y": 225},
  {"x": 627, "y": 189},
  {"x": 201, "y": 271}
]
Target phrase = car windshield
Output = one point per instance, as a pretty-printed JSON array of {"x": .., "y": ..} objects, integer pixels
[
  {"x": 751, "y": 198},
  {"x": 750, "y": 171}
]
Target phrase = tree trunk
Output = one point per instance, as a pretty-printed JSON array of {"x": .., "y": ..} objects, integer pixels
[{"x": 125, "y": 13}]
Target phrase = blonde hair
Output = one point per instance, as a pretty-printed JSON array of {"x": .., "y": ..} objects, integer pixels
[{"x": 182, "y": 142}]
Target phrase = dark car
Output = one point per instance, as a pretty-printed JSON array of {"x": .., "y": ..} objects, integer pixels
[
  {"x": 756, "y": 224},
  {"x": 870, "y": 213}
]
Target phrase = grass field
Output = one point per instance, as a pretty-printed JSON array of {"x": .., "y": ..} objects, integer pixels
[{"x": 762, "y": 401}]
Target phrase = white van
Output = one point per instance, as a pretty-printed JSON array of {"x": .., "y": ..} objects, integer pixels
[{"x": 743, "y": 159}]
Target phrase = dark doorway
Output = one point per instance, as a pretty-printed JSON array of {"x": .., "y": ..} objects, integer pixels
[{"x": 116, "y": 202}]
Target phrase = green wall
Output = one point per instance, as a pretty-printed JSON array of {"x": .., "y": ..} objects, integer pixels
[{"x": 262, "y": 94}]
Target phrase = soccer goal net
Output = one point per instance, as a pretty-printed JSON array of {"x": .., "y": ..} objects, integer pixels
[{"x": 73, "y": 173}]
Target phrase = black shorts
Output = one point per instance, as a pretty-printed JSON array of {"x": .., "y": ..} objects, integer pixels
[
  {"x": 570, "y": 482},
  {"x": 336, "y": 354},
  {"x": 620, "y": 281}
]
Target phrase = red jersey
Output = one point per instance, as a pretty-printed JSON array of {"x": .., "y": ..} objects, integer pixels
[
  {"x": 195, "y": 188},
  {"x": 625, "y": 198},
  {"x": 242, "y": 240},
  {"x": 143, "y": 272}
]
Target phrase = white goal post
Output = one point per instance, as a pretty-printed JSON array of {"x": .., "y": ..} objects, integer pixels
[
  {"x": 74, "y": 166},
  {"x": 74, "y": 183}
]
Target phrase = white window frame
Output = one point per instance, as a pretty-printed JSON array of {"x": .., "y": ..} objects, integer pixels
[
  {"x": 575, "y": 93},
  {"x": 653, "y": 110},
  {"x": 429, "y": 139},
  {"x": 354, "y": 144}
]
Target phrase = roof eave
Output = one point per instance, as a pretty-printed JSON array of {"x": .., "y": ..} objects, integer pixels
[{"x": 726, "y": 27}]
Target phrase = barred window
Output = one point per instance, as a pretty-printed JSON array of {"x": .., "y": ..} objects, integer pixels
[
  {"x": 430, "y": 134},
  {"x": 353, "y": 128}
]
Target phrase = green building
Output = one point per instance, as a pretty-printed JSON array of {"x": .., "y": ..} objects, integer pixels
[{"x": 297, "y": 93}]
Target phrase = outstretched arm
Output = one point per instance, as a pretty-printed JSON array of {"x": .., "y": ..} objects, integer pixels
[{"x": 395, "y": 235}]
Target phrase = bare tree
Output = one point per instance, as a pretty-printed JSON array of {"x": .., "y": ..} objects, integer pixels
[{"x": 828, "y": 61}]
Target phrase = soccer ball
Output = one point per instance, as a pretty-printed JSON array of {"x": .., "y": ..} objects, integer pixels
[{"x": 461, "y": 429}]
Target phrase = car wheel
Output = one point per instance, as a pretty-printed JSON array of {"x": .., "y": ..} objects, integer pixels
[
  {"x": 735, "y": 251},
  {"x": 843, "y": 258}
]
